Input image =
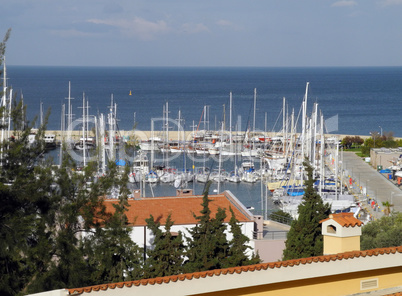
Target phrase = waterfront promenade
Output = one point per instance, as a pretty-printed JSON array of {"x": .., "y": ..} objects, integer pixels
[{"x": 369, "y": 185}]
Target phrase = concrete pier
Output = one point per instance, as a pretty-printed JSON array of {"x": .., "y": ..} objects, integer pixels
[
  {"x": 369, "y": 185},
  {"x": 173, "y": 135}
]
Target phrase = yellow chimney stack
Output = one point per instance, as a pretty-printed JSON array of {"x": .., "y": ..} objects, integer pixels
[{"x": 341, "y": 233}]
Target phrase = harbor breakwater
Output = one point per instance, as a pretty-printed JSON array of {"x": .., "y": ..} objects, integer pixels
[{"x": 175, "y": 135}]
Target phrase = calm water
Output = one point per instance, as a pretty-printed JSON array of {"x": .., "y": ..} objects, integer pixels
[{"x": 363, "y": 100}]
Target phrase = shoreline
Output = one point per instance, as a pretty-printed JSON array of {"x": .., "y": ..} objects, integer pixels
[{"x": 173, "y": 135}]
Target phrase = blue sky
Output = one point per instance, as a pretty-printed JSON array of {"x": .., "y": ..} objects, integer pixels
[{"x": 203, "y": 33}]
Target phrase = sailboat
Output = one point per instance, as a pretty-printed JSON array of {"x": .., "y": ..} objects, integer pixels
[
  {"x": 249, "y": 149},
  {"x": 202, "y": 174}
]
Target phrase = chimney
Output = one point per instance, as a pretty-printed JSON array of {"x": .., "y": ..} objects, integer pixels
[
  {"x": 258, "y": 227},
  {"x": 184, "y": 192},
  {"x": 137, "y": 194},
  {"x": 341, "y": 233}
]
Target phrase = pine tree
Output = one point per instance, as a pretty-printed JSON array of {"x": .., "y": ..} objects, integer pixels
[
  {"x": 207, "y": 245},
  {"x": 304, "y": 238},
  {"x": 166, "y": 256},
  {"x": 237, "y": 255}
]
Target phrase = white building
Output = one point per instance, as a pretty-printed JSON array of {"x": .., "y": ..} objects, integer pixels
[{"x": 182, "y": 209}]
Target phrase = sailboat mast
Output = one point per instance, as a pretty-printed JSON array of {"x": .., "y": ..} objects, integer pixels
[
  {"x": 9, "y": 112},
  {"x": 322, "y": 163},
  {"x": 303, "y": 132},
  {"x": 255, "y": 104},
  {"x": 178, "y": 130},
  {"x": 62, "y": 124},
  {"x": 284, "y": 125},
  {"x": 315, "y": 140},
  {"x": 111, "y": 130},
  {"x": 102, "y": 143},
  {"x": 336, "y": 168},
  {"x": 230, "y": 121},
  {"x": 220, "y": 161},
  {"x": 167, "y": 122},
  {"x": 152, "y": 143},
  {"x": 83, "y": 130}
]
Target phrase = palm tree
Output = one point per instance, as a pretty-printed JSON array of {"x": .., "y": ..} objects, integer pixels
[{"x": 388, "y": 206}]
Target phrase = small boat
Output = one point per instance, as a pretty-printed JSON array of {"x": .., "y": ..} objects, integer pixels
[
  {"x": 218, "y": 175},
  {"x": 249, "y": 174},
  {"x": 234, "y": 177},
  {"x": 152, "y": 144},
  {"x": 202, "y": 175},
  {"x": 168, "y": 175},
  {"x": 140, "y": 168},
  {"x": 50, "y": 141},
  {"x": 87, "y": 143},
  {"x": 152, "y": 177}
]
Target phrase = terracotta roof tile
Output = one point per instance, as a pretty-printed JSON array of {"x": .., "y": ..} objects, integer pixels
[
  {"x": 344, "y": 219},
  {"x": 180, "y": 208},
  {"x": 231, "y": 270}
]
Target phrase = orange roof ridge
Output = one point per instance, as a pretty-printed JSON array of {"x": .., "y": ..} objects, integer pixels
[
  {"x": 240, "y": 269},
  {"x": 344, "y": 219}
]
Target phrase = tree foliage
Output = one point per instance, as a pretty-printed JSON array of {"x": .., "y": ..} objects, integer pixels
[
  {"x": 382, "y": 233},
  {"x": 352, "y": 141},
  {"x": 208, "y": 247},
  {"x": 207, "y": 244},
  {"x": 378, "y": 141},
  {"x": 56, "y": 232},
  {"x": 238, "y": 246},
  {"x": 304, "y": 238},
  {"x": 166, "y": 256}
]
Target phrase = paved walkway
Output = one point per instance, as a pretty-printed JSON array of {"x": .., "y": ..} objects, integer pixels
[{"x": 367, "y": 181}]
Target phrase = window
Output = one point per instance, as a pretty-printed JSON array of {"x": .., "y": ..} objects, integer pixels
[{"x": 331, "y": 229}]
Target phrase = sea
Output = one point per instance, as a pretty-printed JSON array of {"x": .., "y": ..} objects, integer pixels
[{"x": 353, "y": 100}]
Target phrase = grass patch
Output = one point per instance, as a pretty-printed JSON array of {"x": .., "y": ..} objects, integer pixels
[
  {"x": 353, "y": 149},
  {"x": 358, "y": 151}
]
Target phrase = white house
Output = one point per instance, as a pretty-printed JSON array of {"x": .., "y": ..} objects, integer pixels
[{"x": 182, "y": 209}]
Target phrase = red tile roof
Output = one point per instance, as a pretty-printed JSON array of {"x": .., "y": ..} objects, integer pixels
[
  {"x": 256, "y": 267},
  {"x": 180, "y": 208},
  {"x": 344, "y": 219}
]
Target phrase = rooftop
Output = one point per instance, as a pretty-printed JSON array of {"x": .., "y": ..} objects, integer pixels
[
  {"x": 182, "y": 209},
  {"x": 347, "y": 256},
  {"x": 344, "y": 219}
]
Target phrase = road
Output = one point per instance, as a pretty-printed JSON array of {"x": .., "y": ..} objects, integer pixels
[{"x": 367, "y": 180}]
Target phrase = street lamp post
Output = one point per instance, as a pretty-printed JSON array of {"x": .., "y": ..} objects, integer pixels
[
  {"x": 373, "y": 137},
  {"x": 367, "y": 188}
]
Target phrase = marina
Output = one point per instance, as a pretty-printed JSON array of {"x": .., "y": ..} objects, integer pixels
[
  {"x": 259, "y": 160},
  {"x": 222, "y": 156}
]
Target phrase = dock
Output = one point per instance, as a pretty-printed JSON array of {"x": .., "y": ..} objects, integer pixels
[{"x": 369, "y": 185}]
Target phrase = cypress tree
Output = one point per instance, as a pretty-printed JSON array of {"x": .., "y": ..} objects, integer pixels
[
  {"x": 112, "y": 254},
  {"x": 237, "y": 255},
  {"x": 166, "y": 256},
  {"x": 28, "y": 205},
  {"x": 207, "y": 245},
  {"x": 304, "y": 238}
]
